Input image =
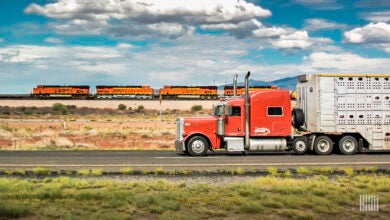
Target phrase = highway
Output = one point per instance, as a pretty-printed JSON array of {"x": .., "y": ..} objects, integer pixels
[{"x": 114, "y": 160}]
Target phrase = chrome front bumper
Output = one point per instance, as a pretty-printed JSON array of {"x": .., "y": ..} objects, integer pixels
[{"x": 180, "y": 146}]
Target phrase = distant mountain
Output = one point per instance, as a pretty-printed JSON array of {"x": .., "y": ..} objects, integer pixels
[
  {"x": 284, "y": 83},
  {"x": 289, "y": 83}
]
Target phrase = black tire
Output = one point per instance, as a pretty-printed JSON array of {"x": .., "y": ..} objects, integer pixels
[
  {"x": 197, "y": 146},
  {"x": 323, "y": 145},
  {"x": 348, "y": 145},
  {"x": 298, "y": 117},
  {"x": 300, "y": 145}
]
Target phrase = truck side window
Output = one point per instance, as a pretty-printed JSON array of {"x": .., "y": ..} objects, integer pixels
[
  {"x": 275, "y": 111},
  {"x": 236, "y": 111}
]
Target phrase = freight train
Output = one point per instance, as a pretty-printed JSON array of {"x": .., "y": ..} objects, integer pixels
[{"x": 137, "y": 92}]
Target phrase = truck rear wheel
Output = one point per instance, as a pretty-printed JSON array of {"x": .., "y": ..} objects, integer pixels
[
  {"x": 300, "y": 145},
  {"x": 323, "y": 145},
  {"x": 197, "y": 146},
  {"x": 348, "y": 145}
]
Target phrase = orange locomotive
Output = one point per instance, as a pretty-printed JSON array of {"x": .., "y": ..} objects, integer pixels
[
  {"x": 228, "y": 90},
  {"x": 189, "y": 92},
  {"x": 56, "y": 91},
  {"x": 124, "y": 92}
]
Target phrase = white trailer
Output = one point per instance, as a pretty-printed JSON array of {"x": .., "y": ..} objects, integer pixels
[{"x": 347, "y": 111}]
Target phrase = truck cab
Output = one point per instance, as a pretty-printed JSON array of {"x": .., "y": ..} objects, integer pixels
[{"x": 259, "y": 121}]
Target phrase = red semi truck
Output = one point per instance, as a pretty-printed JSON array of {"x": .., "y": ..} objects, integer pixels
[{"x": 264, "y": 120}]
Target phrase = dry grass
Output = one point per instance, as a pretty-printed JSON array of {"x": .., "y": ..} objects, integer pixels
[{"x": 263, "y": 198}]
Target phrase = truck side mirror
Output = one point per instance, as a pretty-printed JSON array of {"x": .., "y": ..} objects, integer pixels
[{"x": 229, "y": 111}]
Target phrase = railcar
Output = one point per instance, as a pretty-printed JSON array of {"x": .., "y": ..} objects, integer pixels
[
  {"x": 189, "y": 92},
  {"x": 228, "y": 90},
  {"x": 124, "y": 92},
  {"x": 57, "y": 91}
]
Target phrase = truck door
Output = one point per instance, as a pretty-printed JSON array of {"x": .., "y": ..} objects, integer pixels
[{"x": 234, "y": 124}]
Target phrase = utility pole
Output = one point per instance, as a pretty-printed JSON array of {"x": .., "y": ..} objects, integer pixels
[{"x": 160, "y": 99}]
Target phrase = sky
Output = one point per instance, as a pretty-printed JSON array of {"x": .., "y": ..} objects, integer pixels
[{"x": 187, "y": 42}]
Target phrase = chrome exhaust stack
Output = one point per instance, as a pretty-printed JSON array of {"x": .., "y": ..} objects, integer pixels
[
  {"x": 235, "y": 85},
  {"x": 247, "y": 106}
]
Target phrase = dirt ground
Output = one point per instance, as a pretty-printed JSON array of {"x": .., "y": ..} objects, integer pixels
[
  {"x": 56, "y": 132},
  {"x": 59, "y": 134}
]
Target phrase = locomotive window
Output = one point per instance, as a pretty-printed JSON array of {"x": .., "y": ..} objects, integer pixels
[
  {"x": 236, "y": 111},
  {"x": 275, "y": 111}
]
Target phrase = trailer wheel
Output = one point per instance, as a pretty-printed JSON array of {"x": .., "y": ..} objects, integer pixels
[
  {"x": 348, "y": 145},
  {"x": 298, "y": 117},
  {"x": 197, "y": 146},
  {"x": 300, "y": 145},
  {"x": 323, "y": 145}
]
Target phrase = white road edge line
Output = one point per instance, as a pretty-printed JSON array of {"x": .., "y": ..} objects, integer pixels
[{"x": 194, "y": 165}]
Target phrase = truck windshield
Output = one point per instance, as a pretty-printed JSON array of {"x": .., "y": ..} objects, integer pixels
[{"x": 218, "y": 111}]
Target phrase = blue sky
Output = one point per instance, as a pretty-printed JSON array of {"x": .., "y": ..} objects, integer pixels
[{"x": 192, "y": 42}]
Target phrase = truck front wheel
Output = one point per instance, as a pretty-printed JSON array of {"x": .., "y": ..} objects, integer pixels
[
  {"x": 197, "y": 146},
  {"x": 348, "y": 145},
  {"x": 323, "y": 145},
  {"x": 300, "y": 145}
]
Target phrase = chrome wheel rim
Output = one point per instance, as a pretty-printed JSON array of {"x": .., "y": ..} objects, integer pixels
[
  {"x": 323, "y": 145},
  {"x": 198, "y": 146},
  {"x": 348, "y": 145},
  {"x": 300, "y": 145}
]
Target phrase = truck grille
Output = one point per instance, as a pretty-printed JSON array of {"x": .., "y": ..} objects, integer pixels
[{"x": 179, "y": 128}]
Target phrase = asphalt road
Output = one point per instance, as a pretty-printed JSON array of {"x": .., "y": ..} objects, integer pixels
[{"x": 114, "y": 160}]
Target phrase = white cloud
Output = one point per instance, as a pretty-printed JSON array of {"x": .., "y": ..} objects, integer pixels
[
  {"x": 1, "y": 40},
  {"x": 322, "y": 24},
  {"x": 297, "y": 40},
  {"x": 125, "y": 46},
  {"x": 376, "y": 35},
  {"x": 152, "y": 11},
  {"x": 379, "y": 16},
  {"x": 131, "y": 19},
  {"x": 281, "y": 38},
  {"x": 53, "y": 40},
  {"x": 371, "y": 33},
  {"x": 144, "y": 17},
  {"x": 271, "y": 32},
  {"x": 25, "y": 53},
  {"x": 319, "y": 62},
  {"x": 347, "y": 62}
]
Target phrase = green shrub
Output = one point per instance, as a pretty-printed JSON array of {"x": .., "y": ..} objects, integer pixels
[
  {"x": 196, "y": 108},
  {"x": 159, "y": 170},
  {"x": 272, "y": 171},
  {"x": 42, "y": 171},
  {"x": 347, "y": 171},
  {"x": 122, "y": 107},
  {"x": 304, "y": 171},
  {"x": 96, "y": 172},
  {"x": 59, "y": 107},
  {"x": 127, "y": 171},
  {"x": 140, "y": 108}
]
